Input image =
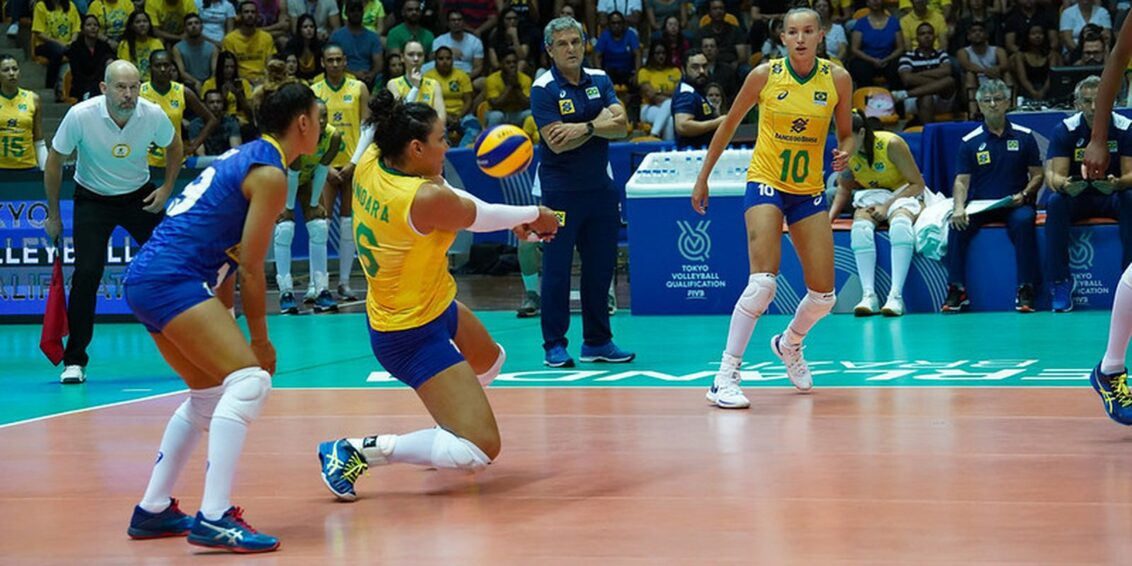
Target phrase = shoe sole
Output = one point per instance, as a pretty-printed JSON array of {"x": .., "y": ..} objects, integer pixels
[
  {"x": 72, "y": 380},
  {"x": 1024, "y": 310},
  {"x": 147, "y": 535},
  {"x": 349, "y": 497},
  {"x": 234, "y": 549},
  {"x": 320, "y": 310},
  {"x": 890, "y": 313},
  {"x": 565, "y": 364},
  {"x": 863, "y": 312},
  {"x": 715, "y": 401},
  {"x": 593, "y": 359},
  {"x": 526, "y": 314}
]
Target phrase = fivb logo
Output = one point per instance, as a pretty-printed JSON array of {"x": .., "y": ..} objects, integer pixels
[
  {"x": 694, "y": 243},
  {"x": 1081, "y": 251}
]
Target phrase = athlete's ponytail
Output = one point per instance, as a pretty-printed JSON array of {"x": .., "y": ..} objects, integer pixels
[
  {"x": 860, "y": 122},
  {"x": 397, "y": 123}
]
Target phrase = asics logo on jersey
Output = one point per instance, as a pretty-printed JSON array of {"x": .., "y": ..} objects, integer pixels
[
  {"x": 782, "y": 95},
  {"x": 799, "y": 125}
]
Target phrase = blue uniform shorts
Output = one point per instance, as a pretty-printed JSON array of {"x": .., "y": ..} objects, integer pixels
[
  {"x": 155, "y": 303},
  {"x": 415, "y": 355},
  {"x": 793, "y": 207}
]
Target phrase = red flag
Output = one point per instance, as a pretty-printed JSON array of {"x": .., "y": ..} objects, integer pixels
[{"x": 55, "y": 316}]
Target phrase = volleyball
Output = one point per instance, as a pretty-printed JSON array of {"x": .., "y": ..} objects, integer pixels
[{"x": 503, "y": 151}]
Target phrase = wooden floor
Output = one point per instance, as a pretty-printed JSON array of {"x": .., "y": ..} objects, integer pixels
[{"x": 617, "y": 476}]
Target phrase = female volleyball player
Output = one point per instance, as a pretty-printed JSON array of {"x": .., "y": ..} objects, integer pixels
[
  {"x": 223, "y": 220},
  {"x": 885, "y": 186},
  {"x": 1110, "y": 376},
  {"x": 407, "y": 219},
  {"x": 797, "y": 95}
]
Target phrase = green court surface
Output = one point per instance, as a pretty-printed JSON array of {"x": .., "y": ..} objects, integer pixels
[{"x": 332, "y": 351}]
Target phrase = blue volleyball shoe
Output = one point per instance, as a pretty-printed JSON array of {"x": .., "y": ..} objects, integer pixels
[
  {"x": 232, "y": 533},
  {"x": 342, "y": 465},
  {"x": 1113, "y": 389},
  {"x": 171, "y": 522}
]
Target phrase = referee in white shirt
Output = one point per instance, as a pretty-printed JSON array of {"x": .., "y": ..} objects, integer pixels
[{"x": 111, "y": 134}]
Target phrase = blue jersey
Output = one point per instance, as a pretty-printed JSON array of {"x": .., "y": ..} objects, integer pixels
[
  {"x": 688, "y": 100},
  {"x": 998, "y": 165},
  {"x": 1072, "y": 134},
  {"x": 203, "y": 225},
  {"x": 554, "y": 99}
]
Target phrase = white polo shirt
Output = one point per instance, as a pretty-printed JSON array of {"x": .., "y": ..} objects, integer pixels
[{"x": 112, "y": 160}]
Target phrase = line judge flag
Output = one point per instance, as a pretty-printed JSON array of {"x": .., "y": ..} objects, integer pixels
[{"x": 55, "y": 315}]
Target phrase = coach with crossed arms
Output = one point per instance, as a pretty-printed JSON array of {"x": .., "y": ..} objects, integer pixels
[
  {"x": 111, "y": 134},
  {"x": 577, "y": 113}
]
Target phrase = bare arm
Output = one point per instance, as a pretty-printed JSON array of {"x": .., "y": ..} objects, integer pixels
[
  {"x": 266, "y": 189},
  {"x": 901, "y": 156},
  {"x": 846, "y": 184},
  {"x": 438, "y": 102},
  {"x": 52, "y": 181},
  {"x": 612, "y": 123},
  {"x": 1096, "y": 153},
  {"x": 1059, "y": 172},
  {"x": 335, "y": 145},
  {"x": 959, "y": 207},
  {"x": 210, "y": 121},
  {"x": 687, "y": 126},
  {"x": 1035, "y": 183}
]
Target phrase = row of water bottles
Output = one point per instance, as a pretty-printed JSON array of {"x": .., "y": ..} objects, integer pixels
[{"x": 683, "y": 167}]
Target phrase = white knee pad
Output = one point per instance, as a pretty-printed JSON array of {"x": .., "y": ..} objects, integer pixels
[
  {"x": 455, "y": 453},
  {"x": 900, "y": 232},
  {"x": 292, "y": 188},
  {"x": 757, "y": 295},
  {"x": 862, "y": 235},
  {"x": 245, "y": 391},
  {"x": 818, "y": 303},
  {"x": 200, "y": 406},
  {"x": 488, "y": 376},
  {"x": 318, "y": 231},
  {"x": 284, "y": 232}
]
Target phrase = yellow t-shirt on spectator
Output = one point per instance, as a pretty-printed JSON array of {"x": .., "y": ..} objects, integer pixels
[
  {"x": 937, "y": 5},
  {"x": 230, "y": 104},
  {"x": 111, "y": 16},
  {"x": 169, "y": 18},
  {"x": 252, "y": 52},
  {"x": 56, "y": 24},
  {"x": 495, "y": 87},
  {"x": 142, "y": 49},
  {"x": 372, "y": 11},
  {"x": 911, "y": 21},
  {"x": 453, "y": 87},
  {"x": 664, "y": 81}
]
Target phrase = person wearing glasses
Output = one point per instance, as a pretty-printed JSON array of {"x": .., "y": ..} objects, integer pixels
[{"x": 998, "y": 159}]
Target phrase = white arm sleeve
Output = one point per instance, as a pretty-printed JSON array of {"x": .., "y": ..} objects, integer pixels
[
  {"x": 364, "y": 139},
  {"x": 493, "y": 217}
]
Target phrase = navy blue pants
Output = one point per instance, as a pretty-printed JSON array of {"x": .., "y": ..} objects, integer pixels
[
  {"x": 1063, "y": 210},
  {"x": 592, "y": 224},
  {"x": 1019, "y": 225}
]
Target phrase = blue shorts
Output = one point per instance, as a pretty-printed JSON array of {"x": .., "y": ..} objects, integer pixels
[
  {"x": 155, "y": 303},
  {"x": 793, "y": 207},
  {"x": 415, "y": 355}
]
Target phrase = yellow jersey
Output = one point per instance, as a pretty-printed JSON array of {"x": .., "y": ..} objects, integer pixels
[
  {"x": 142, "y": 49},
  {"x": 794, "y": 116},
  {"x": 458, "y": 84},
  {"x": 111, "y": 16},
  {"x": 172, "y": 102},
  {"x": 427, "y": 92},
  {"x": 883, "y": 173},
  {"x": 56, "y": 24},
  {"x": 17, "y": 130},
  {"x": 307, "y": 163},
  {"x": 344, "y": 110},
  {"x": 406, "y": 273},
  {"x": 167, "y": 17},
  {"x": 252, "y": 52}
]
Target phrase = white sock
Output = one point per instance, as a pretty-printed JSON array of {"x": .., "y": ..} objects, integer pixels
[
  {"x": 1120, "y": 326},
  {"x": 316, "y": 246},
  {"x": 177, "y": 445},
  {"x": 284, "y": 235},
  {"x": 862, "y": 239},
  {"x": 376, "y": 449},
  {"x": 530, "y": 282},
  {"x": 903, "y": 241},
  {"x": 418, "y": 447},
  {"x": 239, "y": 405},
  {"x": 814, "y": 307},
  {"x": 345, "y": 249}
]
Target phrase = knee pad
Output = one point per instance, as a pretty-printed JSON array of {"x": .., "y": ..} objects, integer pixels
[
  {"x": 488, "y": 376},
  {"x": 285, "y": 232},
  {"x": 245, "y": 391},
  {"x": 900, "y": 231},
  {"x": 200, "y": 406},
  {"x": 757, "y": 295},
  {"x": 318, "y": 232},
  {"x": 455, "y": 453},
  {"x": 818, "y": 303},
  {"x": 862, "y": 235}
]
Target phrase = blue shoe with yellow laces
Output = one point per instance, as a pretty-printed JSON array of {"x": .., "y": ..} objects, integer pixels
[
  {"x": 342, "y": 465},
  {"x": 1113, "y": 389}
]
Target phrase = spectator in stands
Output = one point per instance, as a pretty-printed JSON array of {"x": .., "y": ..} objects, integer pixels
[
  {"x": 112, "y": 16},
  {"x": 836, "y": 40},
  {"x": 225, "y": 136},
  {"x": 373, "y": 16},
  {"x": 694, "y": 118},
  {"x": 273, "y": 80},
  {"x": 251, "y": 45},
  {"x": 219, "y": 18},
  {"x": 729, "y": 39},
  {"x": 137, "y": 43},
  {"x": 876, "y": 45},
  {"x": 1022, "y": 20},
  {"x": 456, "y": 89},
  {"x": 996, "y": 160},
  {"x": 413, "y": 86},
  {"x": 1091, "y": 50},
  {"x": 673, "y": 39},
  {"x": 394, "y": 67},
  {"x": 168, "y": 18},
  {"x": 773, "y": 48},
  {"x": 174, "y": 99},
  {"x": 89, "y": 56},
  {"x": 237, "y": 93},
  {"x": 884, "y": 186},
  {"x": 657, "y": 81},
  {"x": 195, "y": 57},
  {"x": 410, "y": 28},
  {"x": 762, "y": 13},
  {"x": 944, "y": 7},
  {"x": 926, "y": 73},
  {"x": 716, "y": 98},
  {"x": 508, "y": 93},
  {"x": 657, "y": 13},
  {"x": 509, "y": 36},
  {"x": 22, "y": 115},
  {"x": 1074, "y": 18},
  {"x": 361, "y": 46},
  {"x": 923, "y": 13},
  {"x": 630, "y": 10},
  {"x": 479, "y": 16},
  {"x": 721, "y": 73},
  {"x": 55, "y": 24},
  {"x": 976, "y": 11},
  {"x": 467, "y": 49},
  {"x": 618, "y": 51},
  {"x": 981, "y": 62},
  {"x": 1031, "y": 65},
  {"x": 306, "y": 47},
  {"x": 1074, "y": 199},
  {"x": 324, "y": 13},
  {"x": 272, "y": 19}
]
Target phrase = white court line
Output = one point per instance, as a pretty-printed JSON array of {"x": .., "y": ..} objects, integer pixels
[{"x": 94, "y": 408}]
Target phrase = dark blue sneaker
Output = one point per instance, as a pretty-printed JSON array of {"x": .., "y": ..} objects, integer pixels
[
  {"x": 230, "y": 533},
  {"x": 558, "y": 357},
  {"x": 287, "y": 304},
  {"x": 1113, "y": 389},
  {"x": 1062, "y": 292},
  {"x": 607, "y": 353},
  {"x": 171, "y": 522},
  {"x": 325, "y": 302},
  {"x": 342, "y": 465}
]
